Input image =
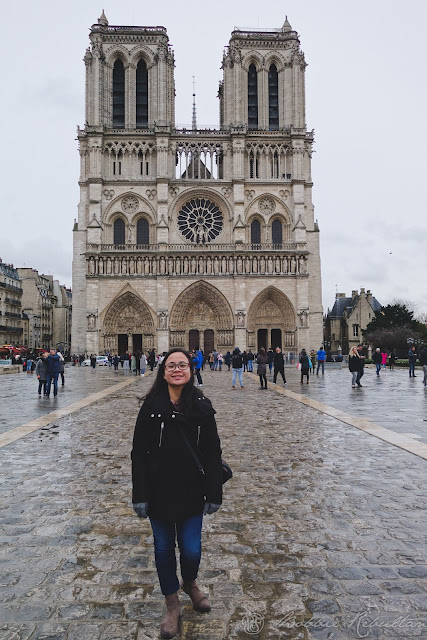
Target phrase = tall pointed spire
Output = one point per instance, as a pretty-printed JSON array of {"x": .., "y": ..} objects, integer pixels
[
  {"x": 286, "y": 25},
  {"x": 194, "y": 121},
  {"x": 103, "y": 20}
]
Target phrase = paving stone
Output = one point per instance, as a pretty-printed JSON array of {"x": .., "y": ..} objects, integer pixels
[
  {"x": 51, "y": 631},
  {"x": 319, "y": 517}
]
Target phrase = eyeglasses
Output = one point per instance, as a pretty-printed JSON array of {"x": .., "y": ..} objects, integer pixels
[{"x": 182, "y": 366}]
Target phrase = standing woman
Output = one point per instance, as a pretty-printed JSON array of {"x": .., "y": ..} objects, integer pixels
[
  {"x": 167, "y": 484},
  {"x": 354, "y": 365},
  {"x": 305, "y": 365},
  {"x": 262, "y": 360}
]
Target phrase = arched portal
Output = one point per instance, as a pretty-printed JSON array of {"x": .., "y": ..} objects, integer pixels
[
  {"x": 271, "y": 321},
  {"x": 202, "y": 310},
  {"x": 128, "y": 325}
]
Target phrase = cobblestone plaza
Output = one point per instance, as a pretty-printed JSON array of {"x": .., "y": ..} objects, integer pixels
[{"x": 321, "y": 533}]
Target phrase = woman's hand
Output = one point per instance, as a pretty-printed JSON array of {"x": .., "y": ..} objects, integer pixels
[
  {"x": 141, "y": 509},
  {"x": 210, "y": 508}
]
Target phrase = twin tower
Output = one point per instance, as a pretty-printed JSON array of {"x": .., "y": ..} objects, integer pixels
[{"x": 193, "y": 237}]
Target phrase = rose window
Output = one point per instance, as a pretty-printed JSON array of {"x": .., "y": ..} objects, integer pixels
[{"x": 200, "y": 220}]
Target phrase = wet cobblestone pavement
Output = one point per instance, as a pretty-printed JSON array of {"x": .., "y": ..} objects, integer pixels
[
  {"x": 392, "y": 400},
  {"x": 322, "y": 533},
  {"x": 19, "y": 392}
]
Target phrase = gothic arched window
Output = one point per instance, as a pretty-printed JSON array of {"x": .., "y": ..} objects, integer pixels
[
  {"x": 252, "y": 97},
  {"x": 142, "y": 232},
  {"x": 119, "y": 231},
  {"x": 276, "y": 232},
  {"x": 141, "y": 95},
  {"x": 273, "y": 98},
  {"x": 255, "y": 232},
  {"x": 118, "y": 95}
]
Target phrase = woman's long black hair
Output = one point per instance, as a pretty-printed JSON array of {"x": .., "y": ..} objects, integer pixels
[{"x": 161, "y": 386}]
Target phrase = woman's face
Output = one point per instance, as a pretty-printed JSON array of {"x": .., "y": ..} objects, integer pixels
[{"x": 177, "y": 369}]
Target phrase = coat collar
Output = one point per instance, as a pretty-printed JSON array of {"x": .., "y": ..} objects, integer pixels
[{"x": 161, "y": 405}]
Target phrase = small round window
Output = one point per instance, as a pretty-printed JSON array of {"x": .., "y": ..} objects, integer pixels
[{"x": 200, "y": 221}]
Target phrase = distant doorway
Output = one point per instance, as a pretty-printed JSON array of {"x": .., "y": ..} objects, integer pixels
[
  {"x": 122, "y": 343},
  {"x": 193, "y": 339},
  {"x": 276, "y": 338},
  {"x": 263, "y": 339},
  {"x": 208, "y": 340},
  {"x": 137, "y": 342}
]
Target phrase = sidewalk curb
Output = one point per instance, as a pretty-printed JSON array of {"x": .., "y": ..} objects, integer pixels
[{"x": 391, "y": 437}]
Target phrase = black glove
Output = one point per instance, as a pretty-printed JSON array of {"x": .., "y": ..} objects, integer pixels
[
  {"x": 210, "y": 508},
  {"x": 140, "y": 509}
]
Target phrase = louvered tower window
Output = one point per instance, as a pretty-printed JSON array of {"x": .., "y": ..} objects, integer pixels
[
  {"x": 142, "y": 232},
  {"x": 273, "y": 98},
  {"x": 118, "y": 95},
  {"x": 255, "y": 232},
  {"x": 141, "y": 95},
  {"x": 252, "y": 97},
  {"x": 119, "y": 231},
  {"x": 276, "y": 232}
]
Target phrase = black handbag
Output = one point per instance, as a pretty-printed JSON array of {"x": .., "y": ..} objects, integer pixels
[{"x": 226, "y": 469}]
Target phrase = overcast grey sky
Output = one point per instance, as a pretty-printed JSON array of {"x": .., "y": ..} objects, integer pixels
[{"x": 366, "y": 101}]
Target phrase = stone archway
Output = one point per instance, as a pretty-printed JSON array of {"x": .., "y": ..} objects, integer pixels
[
  {"x": 128, "y": 324},
  {"x": 201, "y": 308},
  {"x": 271, "y": 320}
]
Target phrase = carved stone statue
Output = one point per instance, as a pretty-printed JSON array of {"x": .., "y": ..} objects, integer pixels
[
  {"x": 223, "y": 264},
  {"x": 108, "y": 266},
  {"x": 170, "y": 266},
  {"x": 270, "y": 264},
  {"x": 162, "y": 266},
  {"x": 240, "y": 319},
  {"x": 216, "y": 265},
  {"x": 162, "y": 320},
  {"x": 262, "y": 265},
  {"x": 239, "y": 265},
  {"x": 185, "y": 267}
]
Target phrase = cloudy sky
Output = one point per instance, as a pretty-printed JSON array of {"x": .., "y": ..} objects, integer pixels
[{"x": 366, "y": 101}]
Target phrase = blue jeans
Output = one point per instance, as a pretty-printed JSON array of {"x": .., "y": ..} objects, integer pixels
[
  {"x": 320, "y": 363},
  {"x": 250, "y": 365},
  {"x": 50, "y": 377},
  {"x": 412, "y": 368},
  {"x": 189, "y": 536},
  {"x": 378, "y": 368},
  {"x": 235, "y": 372}
]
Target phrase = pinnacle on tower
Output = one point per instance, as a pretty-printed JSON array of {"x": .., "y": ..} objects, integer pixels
[
  {"x": 103, "y": 20},
  {"x": 286, "y": 25},
  {"x": 194, "y": 120}
]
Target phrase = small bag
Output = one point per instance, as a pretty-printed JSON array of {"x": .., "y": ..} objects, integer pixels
[
  {"x": 226, "y": 469},
  {"x": 299, "y": 366}
]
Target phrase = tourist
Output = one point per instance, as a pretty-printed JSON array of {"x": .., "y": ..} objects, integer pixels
[
  {"x": 53, "y": 365},
  {"x": 412, "y": 358},
  {"x": 198, "y": 361},
  {"x": 279, "y": 365},
  {"x": 220, "y": 360},
  {"x": 116, "y": 361},
  {"x": 313, "y": 358},
  {"x": 384, "y": 360},
  {"x": 168, "y": 486},
  {"x": 138, "y": 363},
  {"x": 262, "y": 360},
  {"x": 215, "y": 359},
  {"x": 227, "y": 359},
  {"x": 126, "y": 363},
  {"x": 211, "y": 360},
  {"x": 142, "y": 364},
  {"x": 321, "y": 357},
  {"x": 29, "y": 364},
  {"x": 354, "y": 364},
  {"x": 151, "y": 359},
  {"x": 251, "y": 358},
  {"x": 423, "y": 362},
  {"x": 41, "y": 373},
  {"x": 377, "y": 359},
  {"x": 304, "y": 362},
  {"x": 237, "y": 365},
  {"x": 133, "y": 363},
  {"x": 93, "y": 361},
  {"x": 361, "y": 371},
  {"x": 270, "y": 357},
  {"x": 245, "y": 360},
  {"x": 391, "y": 360},
  {"x": 61, "y": 368}
]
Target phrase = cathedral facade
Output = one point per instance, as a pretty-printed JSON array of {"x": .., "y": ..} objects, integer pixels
[{"x": 195, "y": 237}]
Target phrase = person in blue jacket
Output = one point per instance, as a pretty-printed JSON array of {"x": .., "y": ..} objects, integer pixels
[
  {"x": 53, "y": 368},
  {"x": 198, "y": 363},
  {"x": 321, "y": 357}
]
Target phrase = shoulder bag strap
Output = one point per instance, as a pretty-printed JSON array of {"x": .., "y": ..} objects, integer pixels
[{"x": 191, "y": 450}]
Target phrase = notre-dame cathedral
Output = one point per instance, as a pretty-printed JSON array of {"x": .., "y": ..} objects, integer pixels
[{"x": 190, "y": 236}]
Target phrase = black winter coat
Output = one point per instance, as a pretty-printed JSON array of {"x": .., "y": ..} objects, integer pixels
[
  {"x": 305, "y": 365},
  {"x": 354, "y": 363},
  {"x": 278, "y": 361},
  {"x": 164, "y": 473}
]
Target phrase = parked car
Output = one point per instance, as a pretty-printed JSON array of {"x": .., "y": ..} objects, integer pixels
[
  {"x": 102, "y": 361},
  {"x": 86, "y": 363}
]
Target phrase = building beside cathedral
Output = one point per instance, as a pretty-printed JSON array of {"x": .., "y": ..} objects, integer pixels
[{"x": 195, "y": 236}]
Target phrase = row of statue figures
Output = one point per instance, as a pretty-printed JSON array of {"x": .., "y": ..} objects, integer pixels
[{"x": 198, "y": 265}]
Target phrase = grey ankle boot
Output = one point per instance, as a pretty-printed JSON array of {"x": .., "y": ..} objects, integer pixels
[{"x": 169, "y": 626}]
